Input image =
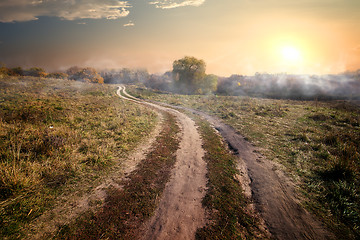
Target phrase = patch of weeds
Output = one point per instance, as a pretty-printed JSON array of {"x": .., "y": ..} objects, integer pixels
[
  {"x": 25, "y": 209},
  {"x": 322, "y": 155},
  {"x": 224, "y": 200},
  {"x": 318, "y": 117},
  {"x": 301, "y": 137}
]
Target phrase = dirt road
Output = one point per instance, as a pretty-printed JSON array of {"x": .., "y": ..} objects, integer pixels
[
  {"x": 70, "y": 206},
  {"x": 273, "y": 193},
  {"x": 180, "y": 211}
]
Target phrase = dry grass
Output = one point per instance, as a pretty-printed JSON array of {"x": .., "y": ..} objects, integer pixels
[
  {"x": 318, "y": 143},
  {"x": 55, "y": 134},
  {"x": 126, "y": 209}
]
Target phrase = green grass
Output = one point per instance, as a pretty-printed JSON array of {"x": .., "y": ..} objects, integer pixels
[
  {"x": 127, "y": 209},
  {"x": 56, "y": 135},
  {"x": 318, "y": 143},
  {"x": 226, "y": 205}
]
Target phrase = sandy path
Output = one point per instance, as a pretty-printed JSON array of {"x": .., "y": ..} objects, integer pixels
[
  {"x": 180, "y": 211},
  {"x": 272, "y": 192}
]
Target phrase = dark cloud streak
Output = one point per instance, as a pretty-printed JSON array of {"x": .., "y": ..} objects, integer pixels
[{"x": 21, "y": 10}]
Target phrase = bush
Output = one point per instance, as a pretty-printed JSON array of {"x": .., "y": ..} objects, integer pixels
[
  {"x": 84, "y": 75},
  {"x": 36, "y": 72},
  {"x": 58, "y": 75},
  {"x": 17, "y": 71}
]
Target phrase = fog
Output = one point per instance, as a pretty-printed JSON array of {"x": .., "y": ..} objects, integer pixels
[
  {"x": 302, "y": 87},
  {"x": 284, "y": 86}
]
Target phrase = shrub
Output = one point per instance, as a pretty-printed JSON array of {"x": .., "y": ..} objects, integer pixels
[
  {"x": 36, "y": 72},
  {"x": 84, "y": 75},
  {"x": 58, "y": 75}
]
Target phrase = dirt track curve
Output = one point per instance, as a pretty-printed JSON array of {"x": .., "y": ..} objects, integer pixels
[
  {"x": 272, "y": 192},
  {"x": 180, "y": 212}
]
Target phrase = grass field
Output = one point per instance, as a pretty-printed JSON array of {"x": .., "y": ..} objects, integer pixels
[
  {"x": 56, "y": 136},
  {"x": 126, "y": 209},
  {"x": 317, "y": 143}
]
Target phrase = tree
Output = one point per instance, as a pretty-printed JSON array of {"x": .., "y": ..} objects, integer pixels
[{"x": 188, "y": 74}]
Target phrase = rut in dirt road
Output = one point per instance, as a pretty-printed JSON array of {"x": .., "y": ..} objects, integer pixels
[
  {"x": 272, "y": 192},
  {"x": 180, "y": 212}
]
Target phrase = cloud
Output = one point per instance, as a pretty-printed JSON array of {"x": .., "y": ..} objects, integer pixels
[
  {"x": 25, "y": 10},
  {"x": 129, "y": 24},
  {"x": 167, "y": 4}
]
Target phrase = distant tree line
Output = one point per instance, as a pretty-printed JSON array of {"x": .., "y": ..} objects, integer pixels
[
  {"x": 87, "y": 74},
  {"x": 188, "y": 76},
  {"x": 18, "y": 71}
]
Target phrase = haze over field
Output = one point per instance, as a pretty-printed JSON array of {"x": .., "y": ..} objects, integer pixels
[{"x": 243, "y": 37}]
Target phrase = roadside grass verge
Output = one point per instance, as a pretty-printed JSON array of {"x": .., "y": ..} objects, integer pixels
[
  {"x": 229, "y": 215},
  {"x": 55, "y": 137},
  {"x": 317, "y": 142},
  {"x": 126, "y": 209}
]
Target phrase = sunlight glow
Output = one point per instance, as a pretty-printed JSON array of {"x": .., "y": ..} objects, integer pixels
[{"x": 290, "y": 53}]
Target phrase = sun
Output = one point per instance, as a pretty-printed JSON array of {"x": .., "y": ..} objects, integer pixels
[{"x": 290, "y": 53}]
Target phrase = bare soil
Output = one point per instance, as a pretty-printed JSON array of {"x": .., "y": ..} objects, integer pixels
[
  {"x": 273, "y": 193},
  {"x": 180, "y": 212}
]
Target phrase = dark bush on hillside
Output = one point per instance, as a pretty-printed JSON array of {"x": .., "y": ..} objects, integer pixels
[
  {"x": 17, "y": 71},
  {"x": 73, "y": 71},
  {"x": 58, "y": 75},
  {"x": 36, "y": 72},
  {"x": 84, "y": 75}
]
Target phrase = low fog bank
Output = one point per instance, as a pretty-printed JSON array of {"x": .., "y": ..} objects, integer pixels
[
  {"x": 300, "y": 87},
  {"x": 135, "y": 76},
  {"x": 279, "y": 86},
  {"x": 189, "y": 77}
]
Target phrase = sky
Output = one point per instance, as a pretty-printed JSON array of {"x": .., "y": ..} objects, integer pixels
[{"x": 231, "y": 36}]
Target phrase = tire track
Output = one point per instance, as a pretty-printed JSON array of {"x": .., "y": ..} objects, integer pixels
[
  {"x": 273, "y": 193},
  {"x": 180, "y": 212}
]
